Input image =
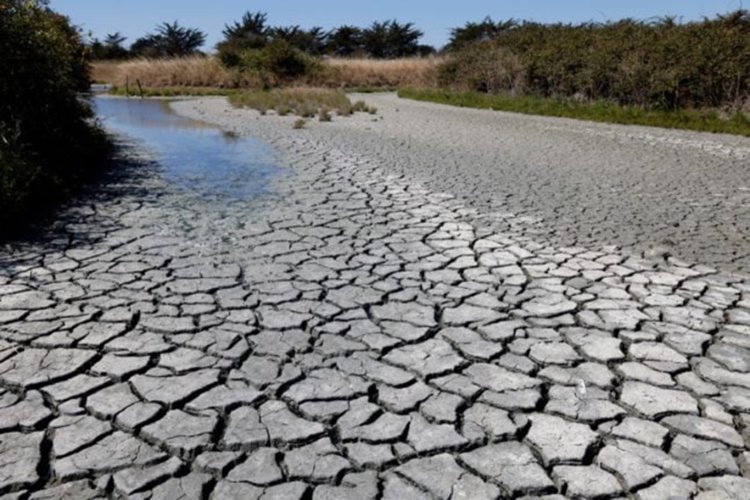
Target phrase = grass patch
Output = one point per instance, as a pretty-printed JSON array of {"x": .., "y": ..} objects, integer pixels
[
  {"x": 304, "y": 102},
  {"x": 371, "y": 90},
  {"x": 171, "y": 91},
  {"x": 597, "y": 111},
  {"x": 356, "y": 75},
  {"x": 191, "y": 71}
]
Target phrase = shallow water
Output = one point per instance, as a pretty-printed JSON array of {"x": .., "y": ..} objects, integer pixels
[{"x": 193, "y": 155}]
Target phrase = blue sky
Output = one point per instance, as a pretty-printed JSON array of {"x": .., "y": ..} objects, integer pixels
[{"x": 133, "y": 18}]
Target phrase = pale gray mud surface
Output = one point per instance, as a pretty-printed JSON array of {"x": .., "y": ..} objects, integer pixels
[
  {"x": 354, "y": 334},
  {"x": 571, "y": 182}
]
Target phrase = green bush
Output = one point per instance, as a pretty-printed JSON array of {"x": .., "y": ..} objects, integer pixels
[
  {"x": 47, "y": 140},
  {"x": 304, "y": 102},
  {"x": 660, "y": 64},
  {"x": 277, "y": 63},
  {"x": 484, "y": 67}
]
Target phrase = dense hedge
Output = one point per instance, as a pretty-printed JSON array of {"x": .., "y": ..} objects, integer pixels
[
  {"x": 47, "y": 140},
  {"x": 660, "y": 64}
]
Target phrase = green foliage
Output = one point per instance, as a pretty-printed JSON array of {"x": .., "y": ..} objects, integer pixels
[
  {"x": 391, "y": 39},
  {"x": 110, "y": 49},
  {"x": 169, "y": 40},
  {"x": 387, "y": 39},
  {"x": 473, "y": 32},
  {"x": 484, "y": 66},
  {"x": 47, "y": 142},
  {"x": 658, "y": 64},
  {"x": 277, "y": 63},
  {"x": 311, "y": 41},
  {"x": 599, "y": 111},
  {"x": 345, "y": 41},
  {"x": 304, "y": 102},
  {"x": 363, "y": 107},
  {"x": 250, "y": 33}
]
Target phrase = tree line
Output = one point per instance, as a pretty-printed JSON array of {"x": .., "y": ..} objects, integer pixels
[
  {"x": 660, "y": 62},
  {"x": 382, "y": 40}
]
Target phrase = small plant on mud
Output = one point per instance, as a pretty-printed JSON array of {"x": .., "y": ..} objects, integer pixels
[
  {"x": 301, "y": 101},
  {"x": 361, "y": 106},
  {"x": 299, "y": 124},
  {"x": 324, "y": 115}
]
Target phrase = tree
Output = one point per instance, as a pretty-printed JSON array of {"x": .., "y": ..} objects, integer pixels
[
  {"x": 111, "y": 48},
  {"x": 403, "y": 39},
  {"x": 316, "y": 40},
  {"x": 170, "y": 40},
  {"x": 344, "y": 41},
  {"x": 312, "y": 41},
  {"x": 251, "y": 32},
  {"x": 390, "y": 39},
  {"x": 113, "y": 42},
  {"x": 387, "y": 39},
  {"x": 472, "y": 32}
]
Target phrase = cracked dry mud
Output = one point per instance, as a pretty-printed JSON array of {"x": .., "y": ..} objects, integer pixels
[{"x": 357, "y": 336}]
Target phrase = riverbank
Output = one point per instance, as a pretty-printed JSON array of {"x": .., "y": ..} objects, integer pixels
[
  {"x": 597, "y": 111},
  {"x": 567, "y": 182}
]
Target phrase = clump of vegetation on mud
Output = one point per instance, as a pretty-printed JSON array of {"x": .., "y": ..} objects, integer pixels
[
  {"x": 304, "y": 102},
  {"x": 48, "y": 142}
]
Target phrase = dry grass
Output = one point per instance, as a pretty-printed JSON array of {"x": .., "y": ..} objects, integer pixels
[
  {"x": 208, "y": 72},
  {"x": 413, "y": 72},
  {"x": 184, "y": 71}
]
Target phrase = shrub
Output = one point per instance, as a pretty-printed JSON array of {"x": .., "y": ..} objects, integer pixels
[
  {"x": 304, "y": 102},
  {"x": 277, "y": 63},
  {"x": 659, "y": 64},
  {"x": 484, "y": 67},
  {"x": 47, "y": 142}
]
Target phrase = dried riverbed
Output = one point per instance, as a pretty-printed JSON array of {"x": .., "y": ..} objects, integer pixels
[{"x": 358, "y": 331}]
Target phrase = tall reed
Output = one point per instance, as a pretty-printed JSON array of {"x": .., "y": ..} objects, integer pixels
[{"x": 209, "y": 72}]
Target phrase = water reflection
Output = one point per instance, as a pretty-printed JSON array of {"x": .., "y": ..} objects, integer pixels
[{"x": 193, "y": 155}]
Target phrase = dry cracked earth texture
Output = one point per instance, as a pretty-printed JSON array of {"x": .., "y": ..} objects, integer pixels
[{"x": 355, "y": 335}]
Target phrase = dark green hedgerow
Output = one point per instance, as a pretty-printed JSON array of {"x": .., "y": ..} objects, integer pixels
[
  {"x": 48, "y": 142},
  {"x": 657, "y": 65}
]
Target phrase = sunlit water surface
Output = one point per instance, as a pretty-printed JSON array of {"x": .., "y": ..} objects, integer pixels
[{"x": 192, "y": 155}]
